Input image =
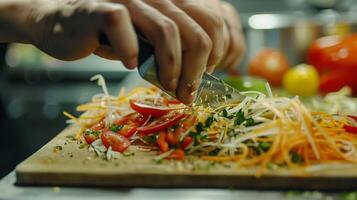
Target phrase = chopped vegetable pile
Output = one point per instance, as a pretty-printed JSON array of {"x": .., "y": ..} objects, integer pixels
[{"x": 265, "y": 132}]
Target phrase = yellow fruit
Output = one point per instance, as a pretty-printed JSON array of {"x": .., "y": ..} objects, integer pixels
[{"x": 302, "y": 80}]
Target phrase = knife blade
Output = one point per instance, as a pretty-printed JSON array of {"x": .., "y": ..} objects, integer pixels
[{"x": 211, "y": 92}]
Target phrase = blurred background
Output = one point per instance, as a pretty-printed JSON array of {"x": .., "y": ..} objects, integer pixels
[{"x": 35, "y": 89}]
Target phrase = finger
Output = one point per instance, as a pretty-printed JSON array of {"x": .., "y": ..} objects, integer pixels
[
  {"x": 237, "y": 46},
  {"x": 227, "y": 42},
  {"x": 211, "y": 23},
  {"x": 197, "y": 48},
  {"x": 116, "y": 24},
  {"x": 106, "y": 52},
  {"x": 165, "y": 36}
]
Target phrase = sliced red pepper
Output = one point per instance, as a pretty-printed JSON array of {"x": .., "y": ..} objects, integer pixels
[
  {"x": 161, "y": 124},
  {"x": 117, "y": 142},
  {"x": 147, "y": 110},
  {"x": 350, "y": 129},
  {"x": 186, "y": 142},
  {"x": 162, "y": 143}
]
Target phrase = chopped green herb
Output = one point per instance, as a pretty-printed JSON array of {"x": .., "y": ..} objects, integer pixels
[
  {"x": 295, "y": 157},
  {"x": 209, "y": 121},
  {"x": 264, "y": 146},
  {"x": 82, "y": 146},
  {"x": 128, "y": 154},
  {"x": 239, "y": 118},
  {"x": 214, "y": 152},
  {"x": 151, "y": 139},
  {"x": 225, "y": 113},
  {"x": 229, "y": 96},
  {"x": 92, "y": 132},
  {"x": 71, "y": 137},
  {"x": 57, "y": 148},
  {"x": 115, "y": 127},
  {"x": 249, "y": 122},
  {"x": 199, "y": 127}
]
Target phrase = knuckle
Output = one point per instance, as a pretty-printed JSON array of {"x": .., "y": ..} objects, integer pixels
[
  {"x": 217, "y": 21},
  {"x": 203, "y": 42},
  {"x": 166, "y": 28}
]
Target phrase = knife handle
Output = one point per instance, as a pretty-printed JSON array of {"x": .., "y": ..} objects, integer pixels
[
  {"x": 145, "y": 48},
  {"x": 147, "y": 67}
]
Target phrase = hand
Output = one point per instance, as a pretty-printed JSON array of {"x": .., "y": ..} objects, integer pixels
[
  {"x": 234, "y": 44},
  {"x": 186, "y": 35}
]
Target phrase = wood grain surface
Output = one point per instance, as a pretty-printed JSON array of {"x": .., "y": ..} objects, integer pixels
[{"x": 75, "y": 165}]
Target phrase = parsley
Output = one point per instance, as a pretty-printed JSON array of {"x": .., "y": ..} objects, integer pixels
[
  {"x": 295, "y": 157},
  {"x": 209, "y": 121},
  {"x": 57, "y": 148},
  {"x": 229, "y": 96},
  {"x": 249, "y": 122},
  {"x": 239, "y": 118},
  {"x": 225, "y": 113},
  {"x": 115, "y": 127},
  {"x": 128, "y": 154},
  {"x": 199, "y": 127},
  {"x": 214, "y": 152},
  {"x": 92, "y": 132},
  {"x": 151, "y": 139},
  {"x": 264, "y": 146}
]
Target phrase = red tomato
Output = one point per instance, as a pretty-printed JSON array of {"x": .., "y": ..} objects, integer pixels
[
  {"x": 162, "y": 123},
  {"x": 189, "y": 122},
  {"x": 99, "y": 126},
  {"x": 335, "y": 80},
  {"x": 127, "y": 130},
  {"x": 334, "y": 53},
  {"x": 136, "y": 118},
  {"x": 146, "y": 109},
  {"x": 178, "y": 154},
  {"x": 270, "y": 64},
  {"x": 162, "y": 143},
  {"x": 335, "y": 58},
  {"x": 186, "y": 142},
  {"x": 130, "y": 124},
  {"x": 116, "y": 141},
  {"x": 90, "y": 138},
  {"x": 173, "y": 138}
]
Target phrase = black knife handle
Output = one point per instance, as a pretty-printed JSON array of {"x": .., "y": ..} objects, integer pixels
[{"x": 145, "y": 48}]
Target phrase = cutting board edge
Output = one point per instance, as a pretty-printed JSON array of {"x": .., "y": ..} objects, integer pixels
[{"x": 187, "y": 181}]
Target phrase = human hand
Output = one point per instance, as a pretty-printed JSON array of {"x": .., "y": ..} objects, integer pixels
[{"x": 187, "y": 36}]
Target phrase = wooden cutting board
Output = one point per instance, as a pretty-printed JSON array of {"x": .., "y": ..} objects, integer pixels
[{"x": 75, "y": 165}]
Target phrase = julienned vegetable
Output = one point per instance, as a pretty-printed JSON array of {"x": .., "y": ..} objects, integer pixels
[{"x": 257, "y": 132}]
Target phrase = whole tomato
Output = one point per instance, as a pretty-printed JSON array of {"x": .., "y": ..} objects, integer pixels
[
  {"x": 270, "y": 64},
  {"x": 335, "y": 58}
]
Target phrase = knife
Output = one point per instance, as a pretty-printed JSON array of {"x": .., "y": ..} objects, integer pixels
[{"x": 211, "y": 92}]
